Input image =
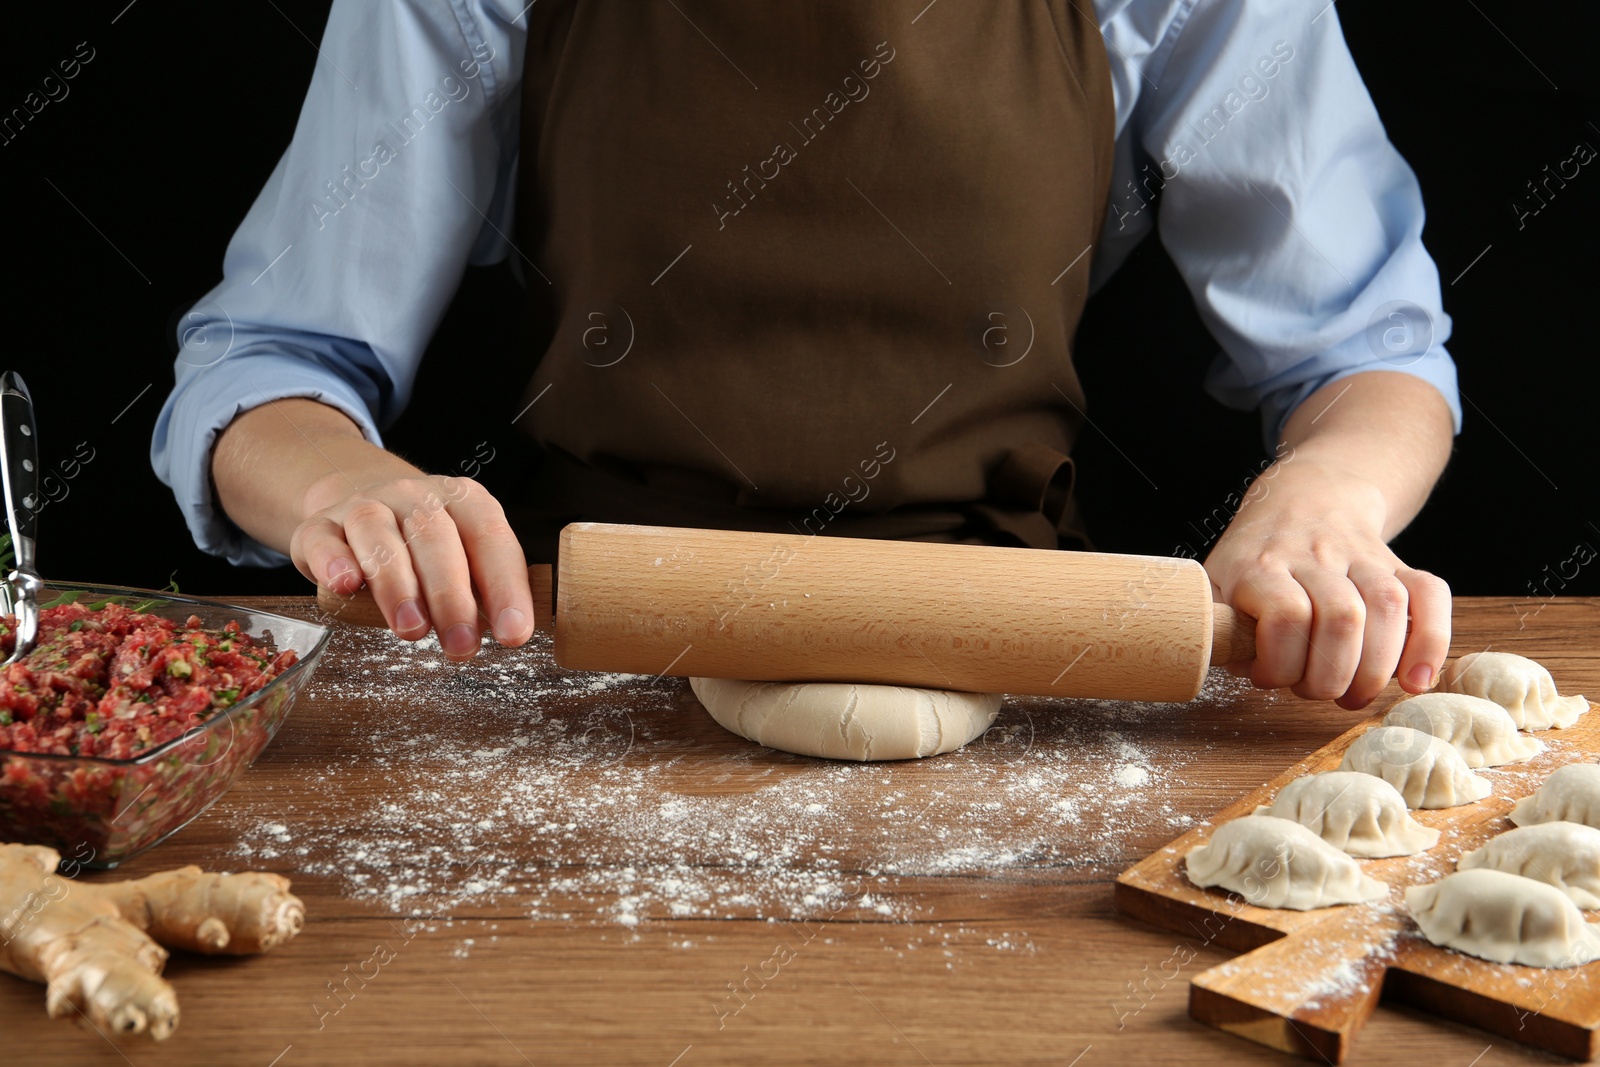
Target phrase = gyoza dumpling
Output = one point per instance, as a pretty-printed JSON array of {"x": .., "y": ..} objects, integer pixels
[
  {"x": 1275, "y": 863},
  {"x": 1505, "y": 918},
  {"x": 1481, "y": 730},
  {"x": 1427, "y": 771},
  {"x": 1359, "y": 813},
  {"x": 1570, "y": 794},
  {"x": 1563, "y": 854},
  {"x": 1517, "y": 684}
]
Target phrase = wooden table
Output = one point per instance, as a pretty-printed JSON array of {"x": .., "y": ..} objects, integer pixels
[{"x": 961, "y": 906}]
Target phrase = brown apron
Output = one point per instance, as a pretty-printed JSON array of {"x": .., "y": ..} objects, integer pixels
[{"x": 811, "y": 267}]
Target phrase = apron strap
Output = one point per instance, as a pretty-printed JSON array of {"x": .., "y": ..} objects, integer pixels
[{"x": 1030, "y": 499}]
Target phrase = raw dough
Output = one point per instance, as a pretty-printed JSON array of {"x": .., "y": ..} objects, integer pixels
[
  {"x": 1563, "y": 854},
  {"x": 1275, "y": 863},
  {"x": 1571, "y": 793},
  {"x": 1361, "y": 814},
  {"x": 1505, "y": 918},
  {"x": 1426, "y": 770},
  {"x": 1516, "y": 683},
  {"x": 1482, "y": 731},
  {"x": 840, "y": 720}
]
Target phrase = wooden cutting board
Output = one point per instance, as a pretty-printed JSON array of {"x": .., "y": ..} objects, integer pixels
[{"x": 1309, "y": 980}]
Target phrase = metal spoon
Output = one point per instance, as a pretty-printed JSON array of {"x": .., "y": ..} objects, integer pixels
[{"x": 19, "y": 493}]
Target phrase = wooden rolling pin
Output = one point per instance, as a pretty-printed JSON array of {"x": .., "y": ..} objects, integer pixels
[{"x": 780, "y": 607}]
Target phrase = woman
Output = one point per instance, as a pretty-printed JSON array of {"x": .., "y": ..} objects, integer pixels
[{"x": 818, "y": 268}]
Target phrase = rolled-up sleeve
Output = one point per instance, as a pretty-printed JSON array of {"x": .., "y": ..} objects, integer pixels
[
  {"x": 400, "y": 173},
  {"x": 1295, "y": 223}
]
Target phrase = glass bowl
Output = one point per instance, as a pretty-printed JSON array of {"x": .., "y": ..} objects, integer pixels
[{"x": 98, "y": 812}]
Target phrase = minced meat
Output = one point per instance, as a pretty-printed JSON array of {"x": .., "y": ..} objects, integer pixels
[{"x": 112, "y": 682}]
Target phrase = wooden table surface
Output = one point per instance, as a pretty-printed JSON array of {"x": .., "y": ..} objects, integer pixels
[{"x": 509, "y": 864}]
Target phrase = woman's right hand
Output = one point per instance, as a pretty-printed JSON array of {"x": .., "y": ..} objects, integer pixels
[
  {"x": 298, "y": 476},
  {"x": 424, "y": 544}
]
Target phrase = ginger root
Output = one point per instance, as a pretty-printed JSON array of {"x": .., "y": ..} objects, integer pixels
[{"x": 98, "y": 947}]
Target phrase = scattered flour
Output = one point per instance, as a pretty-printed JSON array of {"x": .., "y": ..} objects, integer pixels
[
  {"x": 1131, "y": 775},
  {"x": 634, "y": 806}
]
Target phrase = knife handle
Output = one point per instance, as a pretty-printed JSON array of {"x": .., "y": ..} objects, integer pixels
[
  {"x": 359, "y": 609},
  {"x": 19, "y": 466}
]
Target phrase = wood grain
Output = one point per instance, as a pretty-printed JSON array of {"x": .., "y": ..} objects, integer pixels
[
  {"x": 1311, "y": 979},
  {"x": 360, "y": 609},
  {"x": 620, "y": 609},
  {"x": 866, "y": 989},
  {"x": 780, "y": 607}
]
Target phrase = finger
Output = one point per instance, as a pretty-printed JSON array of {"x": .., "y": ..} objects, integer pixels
[
  {"x": 1338, "y": 619},
  {"x": 319, "y": 551},
  {"x": 440, "y": 563},
  {"x": 499, "y": 569},
  {"x": 1384, "y": 635},
  {"x": 371, "y": 530},
  {"x": 1429, "y": 643},
  {"x": 1282, "y": 611}
]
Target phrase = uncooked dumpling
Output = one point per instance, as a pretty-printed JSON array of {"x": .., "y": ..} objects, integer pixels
[
  {"x": 1275, "y": 863},
  {"x": 1516, "y": 683},
  {"x": 1563, "y": 854},
  {"x": 839, "y": 720},
  {"x": 1358, "y": 813},
  {"x": 1505, "y": 918},
  {"x": 1481, "y": 730},
  {"x": 1427, "y": 771},
  {"x": 1570, "y": 794}
]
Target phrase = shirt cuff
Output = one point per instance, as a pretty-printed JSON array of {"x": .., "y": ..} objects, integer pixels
[
  {"x": 1278, "y": 402},
  {"x": 203, "y": 405}
]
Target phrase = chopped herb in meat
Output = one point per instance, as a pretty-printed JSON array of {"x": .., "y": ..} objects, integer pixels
[{"x": 112, "y": 682}]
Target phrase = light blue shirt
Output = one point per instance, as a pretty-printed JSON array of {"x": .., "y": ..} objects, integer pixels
[{"x": 1294, "y": 221}]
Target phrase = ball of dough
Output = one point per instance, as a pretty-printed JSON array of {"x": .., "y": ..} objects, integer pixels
[{"x": 841, "y": 720}]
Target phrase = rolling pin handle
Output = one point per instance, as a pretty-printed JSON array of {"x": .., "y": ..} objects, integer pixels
[
  {"x": 359, "y": 609},
  {"x": 356, "y": 609},
  {"x": 1233, "y": 636}
]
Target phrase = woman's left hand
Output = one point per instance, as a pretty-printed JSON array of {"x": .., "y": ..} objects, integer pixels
[{"x": 1305, "y": 556}]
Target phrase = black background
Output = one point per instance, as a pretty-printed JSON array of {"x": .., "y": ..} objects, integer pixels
[{"x": 121, "y": 197}]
